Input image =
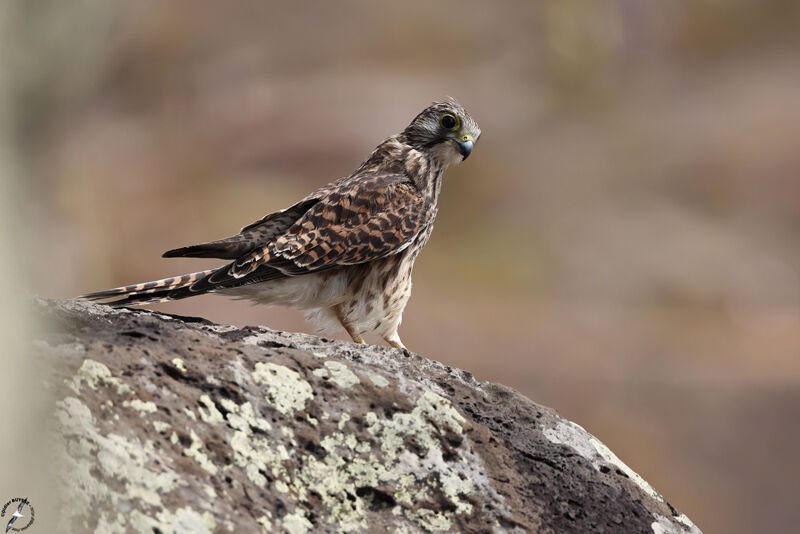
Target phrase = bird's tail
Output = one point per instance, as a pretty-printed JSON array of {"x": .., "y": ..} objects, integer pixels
[{"x": 174, "y": 288}]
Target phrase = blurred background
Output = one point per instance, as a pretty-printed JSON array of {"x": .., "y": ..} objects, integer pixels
[{"x": 622, "y": 245}]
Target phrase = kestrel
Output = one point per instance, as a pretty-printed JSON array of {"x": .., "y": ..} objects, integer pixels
[{"x": 346, "y": 251}]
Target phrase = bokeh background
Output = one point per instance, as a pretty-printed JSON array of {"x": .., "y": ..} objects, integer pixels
[{"x": 622, "y": 245}]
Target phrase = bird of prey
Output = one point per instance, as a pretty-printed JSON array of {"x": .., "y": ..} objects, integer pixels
[
  {"x": 345, "y": 252},
  {"x": 17, "y": 514}
]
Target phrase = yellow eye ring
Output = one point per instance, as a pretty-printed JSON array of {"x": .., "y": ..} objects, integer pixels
[{"x": 449, "y": 122}]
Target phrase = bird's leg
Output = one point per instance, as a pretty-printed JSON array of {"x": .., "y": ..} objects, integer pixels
[
  {"x": 394, "y": 340},
  {"x": 349, "y": 329}
]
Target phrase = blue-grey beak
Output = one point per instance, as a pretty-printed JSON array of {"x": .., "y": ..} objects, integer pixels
[{"x": 465, "y": 147}]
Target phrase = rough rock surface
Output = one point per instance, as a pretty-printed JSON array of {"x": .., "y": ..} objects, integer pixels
[{"x": 171, "y": 424}]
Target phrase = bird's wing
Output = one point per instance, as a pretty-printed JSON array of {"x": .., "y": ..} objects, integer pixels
[
  {"x": 355, "y": 220},
  {"x": 359, "y": 221},
  {"x": 250, "y": 237},
  {"x": 365, "y": 226}
]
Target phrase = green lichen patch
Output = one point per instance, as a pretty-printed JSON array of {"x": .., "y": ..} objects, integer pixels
[
  {"x": 339, "y": 373},
  {"x": 161, "y": 426},
  {"x": 94, "y": 374},
  {"x": 440, "y": 412},
  {"x": 179, "y": 365},
  {"x": 286, "y": 390},
  {"x": 378, "y": 380},
  {"x": 143, "y": 407},
  {"x": 165, "y": 521},
  {"x": 195, "y": 450},
  {"x": 255, "y": 454},
  {"x": 431, "y": 416},
  {"x": 362, "y": 469},
  {"x": 296, "y": 523},
  {"x": 213, "y": 415},
  {"x": 243, "y": 417},
  {"x": 108, "y": 524},
  {"x": 423, "y": 430},
  {"x": 266, "y": 524},
  {"x": 100, "y": 471},
  {"x": 343, "y": 419}
]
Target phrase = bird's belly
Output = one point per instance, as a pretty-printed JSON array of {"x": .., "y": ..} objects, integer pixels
[
  {"x": 375, "y": 305},
  {"x": 370, "y": 297},
  {"x": 317, "y": 290}
]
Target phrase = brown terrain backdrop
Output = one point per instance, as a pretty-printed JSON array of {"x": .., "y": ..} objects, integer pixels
[{"x": 622, "y": 245}]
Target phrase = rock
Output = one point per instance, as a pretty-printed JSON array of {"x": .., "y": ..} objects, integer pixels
[{"x": 174, "y": 424}]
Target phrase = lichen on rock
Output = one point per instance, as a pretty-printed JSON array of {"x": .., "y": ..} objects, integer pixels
[
  {"x": 104, "y": 470},
  {"x": 285, "y": 389},
  {"x": 94, "y": 374},
  {"x": 260, "y": 431}
]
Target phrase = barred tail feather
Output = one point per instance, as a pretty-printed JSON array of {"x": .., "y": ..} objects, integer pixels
[{"x": 174, "y": 288}]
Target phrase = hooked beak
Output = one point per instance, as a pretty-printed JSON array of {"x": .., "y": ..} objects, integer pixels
[{"x": 465, "y": 144}]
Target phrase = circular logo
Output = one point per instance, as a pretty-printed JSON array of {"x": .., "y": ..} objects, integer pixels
[{"x": 19, "y": 514}]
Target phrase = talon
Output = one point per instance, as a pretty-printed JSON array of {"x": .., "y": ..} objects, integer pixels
[{"x": 395, "y": 342}]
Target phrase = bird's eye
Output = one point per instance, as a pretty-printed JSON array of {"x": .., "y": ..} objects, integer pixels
[{"x": 449, "y": 121}]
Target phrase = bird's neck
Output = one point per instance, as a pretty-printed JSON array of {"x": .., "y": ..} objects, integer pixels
[
  {"x": 435, "y": 184},
  {"x": 422, "y": 168}
]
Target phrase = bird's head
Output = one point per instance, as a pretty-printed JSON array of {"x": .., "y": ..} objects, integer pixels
[{"x": 445, "y": 131}]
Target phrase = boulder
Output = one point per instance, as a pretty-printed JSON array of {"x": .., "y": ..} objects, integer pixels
[{"x": 169, "y": 424}]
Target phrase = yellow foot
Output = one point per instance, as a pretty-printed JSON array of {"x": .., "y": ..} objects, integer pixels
[{"x": 394, "y": 341}]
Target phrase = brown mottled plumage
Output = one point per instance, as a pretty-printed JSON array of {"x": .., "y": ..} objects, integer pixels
[{"x": 346, "y": 250}]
